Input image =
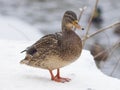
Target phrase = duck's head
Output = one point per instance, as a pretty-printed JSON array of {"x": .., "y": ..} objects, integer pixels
[{"x": 70, "y": 20}]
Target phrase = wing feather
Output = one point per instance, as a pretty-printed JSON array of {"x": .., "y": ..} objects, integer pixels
[{"x": 47, "y": 44}]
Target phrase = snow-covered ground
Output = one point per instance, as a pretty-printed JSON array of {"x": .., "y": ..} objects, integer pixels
[
  {"x": 83, "y": 72},
  {"x": 14, "y": 76}
]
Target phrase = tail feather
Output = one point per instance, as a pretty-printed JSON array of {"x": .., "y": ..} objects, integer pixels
[
  {"x": 23, "y": 51},
  {"x": 24, "y": 61}
]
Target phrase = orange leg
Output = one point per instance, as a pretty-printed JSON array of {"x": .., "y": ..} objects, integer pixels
[
  {"x": 52, "y": 76},
  {"x": 57, "y": 78}
]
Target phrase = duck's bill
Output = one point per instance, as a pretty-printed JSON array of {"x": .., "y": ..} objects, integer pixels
[{"x": 78, "y": 26}]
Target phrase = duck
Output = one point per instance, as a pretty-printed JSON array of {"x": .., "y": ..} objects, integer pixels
[{"x": 54, "y": 51}]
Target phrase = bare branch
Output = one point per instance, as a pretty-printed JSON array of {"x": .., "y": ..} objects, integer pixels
[
  {"x": 101, "y": 30},
  {"x": 116, "y": 45},
  {"x": 81, "y": 12},
  {"x": 118, "y": 62},
  {"x": 89, "y": 23},
  {"x": 115, "y": 67}
]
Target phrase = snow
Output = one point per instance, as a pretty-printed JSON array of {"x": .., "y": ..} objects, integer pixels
[
  {"x": 14, "y": 76},
  {"x": 83, "y": 72}
]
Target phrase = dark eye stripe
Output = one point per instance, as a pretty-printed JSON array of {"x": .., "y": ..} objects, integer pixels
[{"x": 70, "y": 17}]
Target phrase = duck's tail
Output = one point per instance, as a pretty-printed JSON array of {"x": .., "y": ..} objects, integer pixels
[
  {"x": 26, "y": 60},
  {"x": 23, "y": 51}
]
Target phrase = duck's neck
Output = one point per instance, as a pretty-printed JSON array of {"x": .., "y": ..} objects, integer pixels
[
  {"x": 71, "y": 44},
  {"x": 64, "y": 27},
  {"x": 70, "y": 35}
]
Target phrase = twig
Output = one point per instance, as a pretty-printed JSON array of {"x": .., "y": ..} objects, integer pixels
[
  {"x": 116, "y": 46},
  {"x": 115, "y": 67},
  {"x": 89, "y": 23},
  {"x": 101, "y": 30},
  {"x": 81, "y": 12},
  {"x": 109, "y": 49}
]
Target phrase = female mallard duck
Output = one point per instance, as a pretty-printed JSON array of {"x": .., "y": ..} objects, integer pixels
[{"x": 57, "y": 50}]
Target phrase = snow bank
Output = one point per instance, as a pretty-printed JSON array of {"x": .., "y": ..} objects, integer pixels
[
  {"x": 14, "y": 29},
  {"x": 83, "y": 72}
]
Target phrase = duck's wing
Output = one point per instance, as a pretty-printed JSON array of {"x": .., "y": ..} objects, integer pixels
[{"x": 46, "y": 44}]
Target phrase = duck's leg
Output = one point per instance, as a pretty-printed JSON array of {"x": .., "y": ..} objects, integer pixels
[
  {"x": 61, "y": 79},
  {"x": 57, "y": 78},
  {"x": 52, "y": 76}
]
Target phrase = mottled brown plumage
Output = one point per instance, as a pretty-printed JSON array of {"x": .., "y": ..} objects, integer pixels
[{"x": 57, "y": 50}]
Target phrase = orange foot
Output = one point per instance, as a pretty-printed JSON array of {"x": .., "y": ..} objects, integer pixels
[
  {"x": 60, "y": 79},
  {"x": 57, "y": 78}
]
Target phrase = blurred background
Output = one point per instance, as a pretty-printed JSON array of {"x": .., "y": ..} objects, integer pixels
[{"x": 30, "y": 19}]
